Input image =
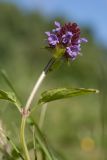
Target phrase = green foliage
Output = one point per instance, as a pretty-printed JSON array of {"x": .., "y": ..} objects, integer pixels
[
  {"x": 15, "y": 153},
  {"x": 40, "y": 138},
  {"x": 8, "y": 82},
  {"x": 10, "y": 85},
  {"x": 9, "y": 96},
  {"x": 61, "y": 93},
  {"x": 21, "y": 39}
]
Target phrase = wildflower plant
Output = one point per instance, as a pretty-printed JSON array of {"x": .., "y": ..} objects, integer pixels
[
  {"x": 64, "y": 43},
  {"x": 67, "y": 39}
]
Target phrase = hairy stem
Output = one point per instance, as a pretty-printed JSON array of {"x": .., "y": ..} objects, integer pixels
[
  {"x": 35, "y": 88},
  {"x": 24, "y": 115},
  {"x": 28, "y": 105}
]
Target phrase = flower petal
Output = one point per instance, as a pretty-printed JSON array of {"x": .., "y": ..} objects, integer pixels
[
  {"x": 48, "y": 33},
  {"x": 83, "y": 40},
  {"x": 57, "y": 24}
]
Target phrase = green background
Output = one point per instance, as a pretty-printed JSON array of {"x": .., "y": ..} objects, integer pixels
[{"x": 69, "y": 123}]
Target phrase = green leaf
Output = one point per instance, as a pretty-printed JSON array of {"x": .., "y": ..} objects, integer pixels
[
  {"x": 15, "y": 152},
  {"x": 6, "y": 78},
  {"x": 61, "y": 93},
  {"x": 9, "y": 83},
  {"x": 40, "y": 138},
  {"x": 9, "y": 96},
  {"x": 42, "y": 142}
]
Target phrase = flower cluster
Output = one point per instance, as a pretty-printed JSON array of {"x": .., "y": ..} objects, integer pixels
[{"x": 66, "y": 37}]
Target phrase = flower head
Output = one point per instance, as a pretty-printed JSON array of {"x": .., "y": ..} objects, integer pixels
[{"x": 67, "y": 38}]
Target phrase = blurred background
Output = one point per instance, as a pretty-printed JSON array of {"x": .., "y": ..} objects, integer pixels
[{"x": 76, "y": 128}]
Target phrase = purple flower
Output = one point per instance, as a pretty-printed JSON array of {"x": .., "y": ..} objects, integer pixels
[
  {"x": 57, "y": 24},
  {"x": 52, "y": 39},
  {"x": 58, "y": 27},
  {"x": 66, "y": 38},
  {"x": 82, "y": 40},
  {"x": 73, "y": 51}
]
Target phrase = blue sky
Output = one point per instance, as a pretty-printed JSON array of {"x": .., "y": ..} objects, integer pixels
[{"x": 85, "y": 12}]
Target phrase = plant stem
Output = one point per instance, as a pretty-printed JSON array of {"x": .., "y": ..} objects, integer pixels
[
  {"x": 22, "y": 139},
  {"x": 35, "y": 88},
  {"x": 42, "y": 115},
  {"x": 28, "y": 105},
  {"x": 34, "y": 143}
]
